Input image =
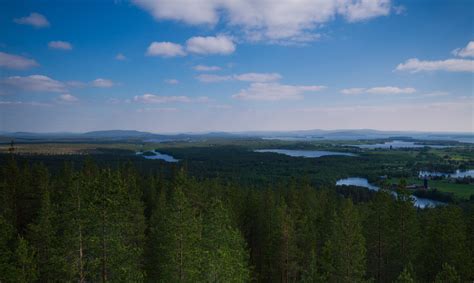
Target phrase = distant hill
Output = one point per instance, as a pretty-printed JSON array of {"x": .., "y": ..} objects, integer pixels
[{"x": 140, "y": 136}]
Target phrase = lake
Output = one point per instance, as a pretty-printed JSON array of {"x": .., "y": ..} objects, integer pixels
[
  {"x": 304, "y": 153},
  {"x": 157, "y": 155},
  {"x": 457, "y": 174},
  {"x": 397, "y": 144},
  {"x": 362, "y": 182}
]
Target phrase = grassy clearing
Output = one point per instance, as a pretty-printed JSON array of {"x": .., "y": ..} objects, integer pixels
[{"x": 463, "y": 191}]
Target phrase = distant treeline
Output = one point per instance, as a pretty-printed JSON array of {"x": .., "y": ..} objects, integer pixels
[{"x": 93, "y": 223}]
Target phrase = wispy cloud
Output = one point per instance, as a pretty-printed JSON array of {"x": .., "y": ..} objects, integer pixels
[
  {"x": 149, "y": 98},
  {"x": 102, "y": 83},
  {"x": 245, "y": 77},
  {"x": 271, "y": 21},
  {"x": 67, "y": 98},
  {"x": 379, "y": 90},
  {"x": 204, "y": 68},
  {"x": 34, "y": 19},
  {"x": 467, "y": 51},
  {"x": 27, "y": 103},
  {"x": 120, "y": 57},
  {"x": 60, "y": 45},
  {"x": 415, "y": 65},
  {"x": 37, "y": 83},
  {"x": 275, "y": 92},
  {"x": 158, "y": 109},
  {"x": 165, "y": 49},
  {"x": 16, "y": 62},
  {"x": 172, "y": 81},
  {"x": 220, "y": 44}
]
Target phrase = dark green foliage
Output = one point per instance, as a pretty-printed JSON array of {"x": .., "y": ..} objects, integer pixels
[
  {"x": 111, "y": 222},
  {"x": 344, "y": 253},
  {"x": 447, "y": 274}
]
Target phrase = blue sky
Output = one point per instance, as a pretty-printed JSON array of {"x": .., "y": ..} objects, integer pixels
[{"x": 222, "y": 65}]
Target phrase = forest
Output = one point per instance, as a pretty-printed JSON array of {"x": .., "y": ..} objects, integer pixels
[{"x": 117, "y": 221}]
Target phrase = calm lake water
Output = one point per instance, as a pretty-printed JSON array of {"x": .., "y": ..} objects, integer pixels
[
  {"x": 397, "y": 144},
  {"x": 456, "y": 175},
  {"x": 161, "y": 156},
  {"x": 304, "y": 153},
  {"x": 362, "y": 182}
]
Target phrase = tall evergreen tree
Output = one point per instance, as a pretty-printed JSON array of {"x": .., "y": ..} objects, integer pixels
[
  {"x": 42, "y": 236},
  {"x": 179, "y": 243},
  {"x": 404, "y": 228},
  {"x": 26, "y": 269},
  {"x": 225, "y": 258},
  {"x": 344, "y": 252},
  {"x": 378, "y": 236},
  {"x": 447, "y": 274},
  {"x": 444, "y": 241}
]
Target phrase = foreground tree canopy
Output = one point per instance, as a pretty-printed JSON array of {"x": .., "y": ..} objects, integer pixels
[{"x": 95, "y": 223}]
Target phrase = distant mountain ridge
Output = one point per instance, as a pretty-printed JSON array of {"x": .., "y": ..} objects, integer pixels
[{"x": 134, "y": 135}]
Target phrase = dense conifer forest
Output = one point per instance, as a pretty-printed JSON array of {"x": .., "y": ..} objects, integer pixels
[{"x": 98, "y": 223}]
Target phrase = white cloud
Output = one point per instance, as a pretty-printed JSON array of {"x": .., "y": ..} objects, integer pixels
[
  {"x": 379, "y": 90},
  {"x": 390, "y": 90},
  {"x": 31, "y": 103},
  {"x": 76, "y": 84},
  {"x": 207, "y": 78},
  {"x": 274, "y": 92},
  {"x": 120, "y": 57},
  {"x": 61, "y": 45},
  {"x": 67, "y": 98},
  {"x": 148, "y": 98},
  {"x": 38, "y": 83},
  {"x": 266, "y": 19},
  {"x": 258, "y": 77},
  {"x": 104, "y": 83},
  {"x": 436, "y": 94},
  {"x": 16, "y": 62},
  {"x": 450, "y": 65},
  {"x": 172, "y": 81},
  {"x": 467, "y": 51},
  {"x": 220, "y": 106},
  {"x": 352, "y": 91},
  {"x": 364, "y": 9},
  {"x": 151, "y": 98},
  {"x": 220, "y": 44},
  {"x": 246, "y": 77},
  {"x": 165, "y": 49},
  {"x": 204, "y": 68},
  {"x": 34, "y": 19},
  {"x": 158, "y": 109}
]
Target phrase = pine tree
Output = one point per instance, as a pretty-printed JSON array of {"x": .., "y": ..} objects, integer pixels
[
  {"x": 404, "y": 228},
  {"x": 7, "y": 251},
  {"x": 406, "y": 276},
  {"x": 26, "y": 269},
  {"x": 378, "y": 236},
  {"x": 344, "y": 253},
  {"x": 444, "y": 241},
  {"x": 42, "y": 237},
  {"x": 447, "y": 274},
  {"x": 225, "y": 258},
  {"x": 288, "y": 250},
  {"x": 179, "y": 245}
]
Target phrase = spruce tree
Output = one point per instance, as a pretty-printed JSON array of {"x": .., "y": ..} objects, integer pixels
[
  {"x": 344, "y": 252},
  {"x": 447, "y": 274},
  {"x": 224, "y": 255},
  {"x": 378, "y": 236},
  {"x": 180, "y": 242}
]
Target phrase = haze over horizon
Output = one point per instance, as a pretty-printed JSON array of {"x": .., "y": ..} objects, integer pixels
[{"x": 176, "y": 66}]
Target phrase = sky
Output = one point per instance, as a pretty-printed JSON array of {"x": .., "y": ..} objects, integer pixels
[{"x": 168, "y": 66}]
